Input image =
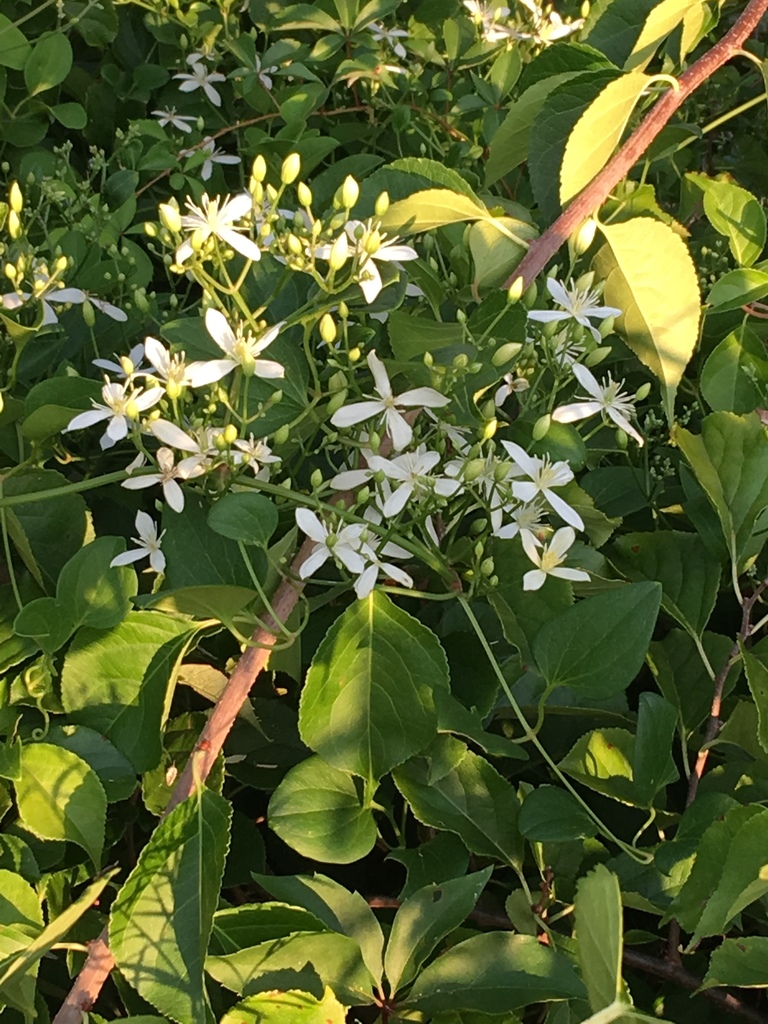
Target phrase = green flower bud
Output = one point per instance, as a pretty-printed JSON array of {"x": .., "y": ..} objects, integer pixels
[
  {"x": 89, "y": 316},
  {"x": 382, "y": 204},
  {"x": 362, "y": 495},
  {"x": 337, "y": 382},
  {"x": 461, "y": 361},
  {"x": 343, "y": 310},
  {"x": 150, "y": 229},
  {"x": 294, "y": 245},
  {"x": 585, "y": 236},
  {"x": 281, "y": 435},
  {"x": 355, "y": 354},
  {"x": 339, "y": 253},
  {"x": 316, "y": 479},
  {"x": 327, "y": 328},
  {"x": 289, "y": 172},
  {"x": 506, "y": 353},
  {"x": 170, "y": 216},
  {"x": 597, "y": 355},
  {"x": 488, "y": 409},
  {"x": 428, "y": 359},
  {"x": 230, "y": 434},
  {"x": 15, "y": 198},
  {"x": 259, "y": 168},
  {"x": 14, "y": 224},
  {"x": 515, "y": 290},
  {"x": 304, "y": 194},
  {"x": 530, "y": 295},
  {"x": 643, "y": 391},
  {"x": 196, "y": 240},
  {"x": 277, "y": 397},
  {"x": 374, "y": 442},
  {"x": 622, "y": 440},
  {"x": 337, "y": 401},
  {"x": 473, "y": 469},
  {"x": 541, "y": 427},
  {"x": 350, "y": 192},
  {"x": 461, "y": 316},
  {"x": 490, "y": 429},
  {"x": 607, "y": 326},
  {"x": 487, "y": 566}
]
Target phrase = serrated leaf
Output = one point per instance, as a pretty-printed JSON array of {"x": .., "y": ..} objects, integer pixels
[
  {"x": 660, "y": 325},
  {"x": 598, "y": 132},
  {"x": 436, "y": 174},
  {"x": 552, "y": 815},
  {"x": 368, "y": 700},
  {"x": 629, "y": 31},
  {"x": 237, "y": 928},
  {"x": 737, "y": 288},
  {"x": 736, "y": 214},
  {"x": 742, "y": 962},
  {"x": 161, "y": 919},
  {"x": 317, "y": 810},
  {"x": 429, "y": 209},
  {"x": 663, "y": 19},
  {"x": 735, "y": 375},
  {"x": 756, "y": 669},
  {"x": 287, "y": 1008},
  {"x": 59, "y": 796},
  {"x": 599, "y": 935},
  {"x": 497, "y": 245},
  {"x": 656, "y": 727}
]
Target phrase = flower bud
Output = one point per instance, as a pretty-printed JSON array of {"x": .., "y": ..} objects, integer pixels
[
  {"x": 61, "y": 264},
  {"x": 10, "y": 271},
  {"x": 277, "y": 397},
  {"x": 337, "y": 382},
  {"x": 530, "y": 295},
  {"x": 487, "y": 567},
  {"x": 550, "y": 329},
  {"x": 327, "y": 328},
  {"x": 15, "y": 198},
  {"x": 506, "y": 353},
  {"x": 220, "y": 442},
  {"x": 586, "y": 7},
  {"x": 372, "y": 243},
  {"x": 363, "y": 495},
  {"x": 622, "y": 440},
  {"x": 350, "y": 192},
  {"x": 281, "y": 435},
  {"x": 170, "y": 217},
  {"x": 461, "y": 316},
  {"x": 374, "y": 442},
  {"x": 230, "y": 433},
  {"x": 428, "y": 359},
  {"x": 339, "y": 253},
  {"x": 382, "y": 204},
  {"x": 289, "y": 172},
  {"x": 643, "y": 391},
  {"x": 343, "y": 310},
  {"x": 607, "y": 326},
  {"x": 597, "y": 355},
  {"x": 196, "y": 240},
  {"x": 150, "y": 229},
  {"x": 541, "y": 427},
  {"x": 488, "y": 409},
  {"x": 473, "y": 469},
  {"x": 316, "y": 479},
  {"x": 294, "y": 245},
  {"x": 490, "y": 429},
  {"x": 585, "y": 236},
  {"x": 304, "y": 194},
  {"x": 14, "y": 224},
  {"x": 461, "y": 361},
  {"x": 89, "y": 316},
  {"x": 515, "y": 290},
  {"x": 337, "y": 400},
  {"x": 355, "y": 354},
  {"x": 140, "y": 298},
  {"x": 259, "y": 168},
  {"x": 173, "y": 389}
]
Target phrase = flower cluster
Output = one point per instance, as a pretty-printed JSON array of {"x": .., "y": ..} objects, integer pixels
[{"x": 532, "y": 24}]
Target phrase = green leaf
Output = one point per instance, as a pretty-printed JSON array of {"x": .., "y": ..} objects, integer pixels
[
  {"x": 49, "y": 63},
  {"x": 467, "y": 797},
  {"x": 730, "y": 461},
  {"x": 71, "y": 115},
  {"x": 629, "y": 31},
  {"x": 689, "y": 575},
  {"x": 46, "y": 622},
  {"x": 552, "y": 815},
  {"x": 756, "y": 669},
  {"x": 52, "y": 403},
  {"x": 742, "y": 962},
  {"x": 21, "y": 921},
  {"x": 14, "y": 47},
  {"x": 551, "y": 130},
  {"x": 738, "y": 287},
  {"x": 663, "y": 19},
  {"x": 345, "y": 912},
  {"x": 735, "y": 375},
  {"x": 116, "y": 681},
  {"x": 497, "y": 245},
  {"x": 682, "y": 677},
  {"x": 438, "y": 860},
  {"x": 368, "y": 701},
  {"x": 598, "y": 132},
  {"x": 453, "y": 717},
  {"x": 599, "y": 935},
  {"x": 19, "y": 904},
  {"x": 59, "y": 796},
  {"x": 660, "y": 325},
  {"x": 436, "y": 174},
  {"x": 602, "y": 760},
  {"x": 162, "y": 917},
  {"x": 736, "y": 214},
  {"x": 728, "y": 873},
  {"x": 411, "y": 336},
  {"x": 114, "y": 770},
  {"x": 317, "y": 810},
  {"x": 287, "y": 1008},
  {"x": 197, "y": 556},
  {"x": 424, "y": 919},
  {"x": 597, "y": 647},
  {"x": 253, "y": 923},
  {"x": 429, "y": 209},
  {"x": 245, "y": 516},
  {"x": 656, "y": 726},
  {"x": 494, "y": 973}
]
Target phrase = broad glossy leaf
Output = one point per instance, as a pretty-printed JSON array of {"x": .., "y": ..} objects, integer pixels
[
  {"x": 199, "y": 557},
  {"x": 730, "y": 461},
  {"x": 737, "y": 288},
  {"x": 617, "y": 28},
  {"x": 237, "y": 928},
  {"x": 424, "y": 919},
  {"x": 597, "y": 647},
  {"x": 656, "y": 727},
  {"x": 49, "y": 63},
  {"x": 429, "y": 209},
  {"x": 756, "y": 669},
  {"x": 21, "y": 920},
  {"x": 438, "y": 860},
  {"x": 343, "y": 911},
  {"x": 411, "y": 336},
  {"x": 468, "y": 797},
  {"x": 689, "y": 575},
  {"x": 115, "y": 681},
  {"x": 436, "y": 173},
  {"x": 599, "y": 935},
  {"x": 287, "y": 1008},
  {"x": 598, "y": 132},
  {"x": 742, "y": 962},
  {"x": 161, "y": 919},
  {"x": 317, "y": 810},
  {"x": 368, "y": 701},
  {"x": 494, "y": 973},
  {"x": 497, "y": 245},
  {"x": 735, "y": 374},
  {"x": 735, "y": 213},
  {"x": 602, "y": 760},
  {"x": 681, "y": 676},
  {"x": 14, "y": 47},
  {"x": 663, "y": 19},
  {"x": 246, "y": 516},
  {"x": 114, "y": 770},
  {"x": 552, "y": 815},
  {"x": 59, "y": 796},
  {"x": 660, "y": 325}
]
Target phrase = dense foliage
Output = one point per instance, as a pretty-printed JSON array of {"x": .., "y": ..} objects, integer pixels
[{"x": 277, "y": 404}]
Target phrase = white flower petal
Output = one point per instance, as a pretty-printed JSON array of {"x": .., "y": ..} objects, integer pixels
[
  {"x": 87, "y": 419},
  {"x": 127, "y": 557},
  {"x": 309, "y": 524},
  {"x": 399, "y": 429},
  {"x": 174, "y": 495},
  {"x": 380, "y": 375},
  {"x": 240, "y": 243},
  {"x": 268, "y": 369},
  {"x": 397, "y": 501},
  {"x": 576, "y": 411},
  {"x": 566, "y": 513},
  {"x": 348, "y": 415},
  {"x": 423, "y": 397},
  {"x": 201, "y": 375},
  {"x": 577, "y": 575},
  {"x": 219, "y": 329},
  {"x": 174, "y": 436},
  {"x": 534, "y": 580}
]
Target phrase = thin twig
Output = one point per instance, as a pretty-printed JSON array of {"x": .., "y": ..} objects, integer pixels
[
  {"x": 592, "y": 198},
  {"x": 99, "y": 962},
  {"x": 632, "y": 959}
]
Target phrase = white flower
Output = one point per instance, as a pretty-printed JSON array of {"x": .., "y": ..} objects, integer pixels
[
  {"x": 411, "y": 472},
  {"x": 510, "y": 385},
  {"x": 200, "y": 78},
  {"x": 605, "y": 398},
  {"x": 242, "y": 348},
  {"x": 386, "y": 406},
  {"x": 217, "y": 218},
  {"x": 177, "y": 374},
  {"x": 550, "y": 559},
  {"x": 565, "y": 350},
  {"x": 123, "y": 367},
  {"x": 258, "y": 455},
  {"x": 264, "y": 73},
  {"x": 149, "y": 544},
  {"x": 201, "y": 446},
  {"x": 167, "y": 476},
  {"x": 486, "y": 17},
  {"x": 366, "y": 581},
  {"x": 121, "y": 407},
  {"x": 213, "y": 156},
  {"x": 170, "y": 117},
  {"x": 15, "y": 300},
  {"x": 577, "y": 305},
  {"x": 343, "y": 544},
  {"x": 382, "y": 34},
  {"x": 547, "y": 29},
  {"x": 544, "y": 475},
  {"x": 491, "y": 481},
  {"x": 384, "y": 250},
  {"x": 526, "y": 519}
]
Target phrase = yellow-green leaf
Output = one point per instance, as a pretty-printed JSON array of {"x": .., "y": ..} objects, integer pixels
[
  {"x": 598, "y": 132},
  {"x": 432, "y": 208},
  {"x": 660, "y": 323},
  {"x": 662, "y": 20},
  {"x": 291, "y": 1007}
]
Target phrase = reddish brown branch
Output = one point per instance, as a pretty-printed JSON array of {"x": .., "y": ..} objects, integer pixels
[
  {"x": 598, "y": 190},
  {"x": 100, "y": 961}
]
